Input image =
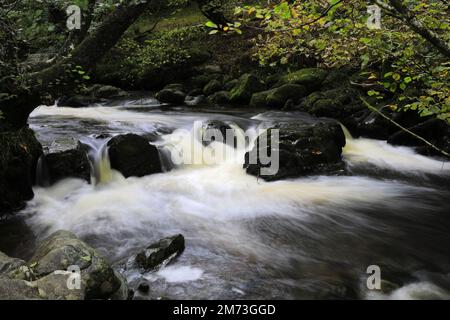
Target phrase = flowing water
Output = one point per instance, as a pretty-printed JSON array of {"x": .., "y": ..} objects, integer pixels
[{"x": 311, "y": 237}]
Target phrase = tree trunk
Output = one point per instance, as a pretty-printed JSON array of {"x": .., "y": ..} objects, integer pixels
[
  {"x": 59, "y": 78},
  {"x": 213, "y": 10}
]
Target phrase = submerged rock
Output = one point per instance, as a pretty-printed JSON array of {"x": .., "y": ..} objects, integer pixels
[
  {"x": 133, "y": 155},
  {"x": 247, "y": 85},
  {"x": 156, "y": 253},
  {"x": 63, "y": 249},
  {"x": 20, "y": 151},
  {"x": 304, "y": 149},
  {"x": 67, "y": 164}
]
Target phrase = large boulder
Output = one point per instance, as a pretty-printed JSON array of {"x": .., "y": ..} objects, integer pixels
[
  {"x": 67, "y": 164},
  {"x": 133, "y": 155},
  {"x": 14, "y": 289},
  {"x": 20, "y": 151},
  {"x": 279, "y": 96},
  {"x": 8, "y": 264},
  {"x": 158, "y": 252},
  {"x": 311, "y": 78},
  {"x": 259, "y": 99},
  {"x": 62, "y": 250},
  {"x": 213, "y": 130},
  {"x": 174, "y": 96},
  {"x": 220, "y": 97},
  {"x": 303, "y": 149},
  {"x": 247, "y": 85},
  {"x": 76, "y": 101},
  {"x": 338, "y": 103},
  {"x": 99, "y": 91},
  {"x": 212, "y": 87}
]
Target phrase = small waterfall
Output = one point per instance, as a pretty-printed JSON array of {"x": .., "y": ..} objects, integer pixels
[
  {"x": 347, "y": 134},
  {"x": 188, "y": 147},
  {"x": 97, "y": 152},
  {"x": 42, "y": 174}
]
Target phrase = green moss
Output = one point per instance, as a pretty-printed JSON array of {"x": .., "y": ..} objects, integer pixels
[
  {"x": 248, "y": 85},
  {"x": 312, "y": 78}
]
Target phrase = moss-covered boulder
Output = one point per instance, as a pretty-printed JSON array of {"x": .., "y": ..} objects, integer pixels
[
  {"x": 259, "y": 99},
  {"x": 174, "y": 96},
  {"x": 220, "y": 97},
  {"x": 279, "y": 96},
  {"x": 212, "y": 87},
  {"x": 311, "y": 78},
  {"x": 302, "y": 149},
  {"x": 62, "y": 250},
  {"x": 20, "y": 151},
  {"x": 13, "y": 289},
  {"x": 247, "y": 85}
]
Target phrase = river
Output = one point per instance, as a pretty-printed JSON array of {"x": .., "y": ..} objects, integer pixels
[{"x": 303, "y": 238}]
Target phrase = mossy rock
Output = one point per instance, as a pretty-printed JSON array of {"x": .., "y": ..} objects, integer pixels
[
  {"x": 63, "y": 249},
  {"x": 212, "y": 87},
  {"x": 279, "y": 96},
  {"x": 247, "y": 85},
  {"x": 311, "y": 78},
  {"x": 259, "y": 99},
  {"x": 220, "y": 97}
]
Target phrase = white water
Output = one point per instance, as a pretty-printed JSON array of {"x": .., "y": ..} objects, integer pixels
[{"x": 219, "y": 208}]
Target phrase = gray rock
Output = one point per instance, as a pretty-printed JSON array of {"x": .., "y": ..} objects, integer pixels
[
  {"x": 13, "y": 289},
  {"x": 54, "y": 287},
  {"x": 157, "y": 253},
  {"x": 63, "y": 249},
  {"x": 8, "y": 264},
  {"x": 133, "y": 155},
  {"x": 304, "y": 149},
  {"x": 171, "y": 96},
  {"x": 98, "y": 92},
  {"x": 212, "y": 87}
]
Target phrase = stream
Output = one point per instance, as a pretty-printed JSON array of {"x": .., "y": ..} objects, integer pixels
[{"x": 305, "y": 238}]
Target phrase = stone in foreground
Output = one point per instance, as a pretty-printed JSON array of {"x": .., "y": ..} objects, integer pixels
[{"x": 157, "y": 253}]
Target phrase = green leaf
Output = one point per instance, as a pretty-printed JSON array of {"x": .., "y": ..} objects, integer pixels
[{"x": 211, "y": 24}]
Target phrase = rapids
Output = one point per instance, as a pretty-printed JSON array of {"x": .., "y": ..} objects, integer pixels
[{"x": 312, "y": 237}]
